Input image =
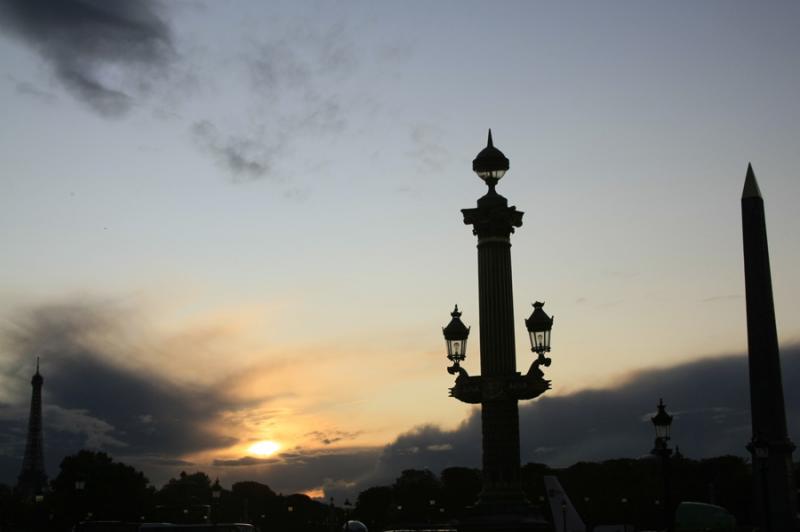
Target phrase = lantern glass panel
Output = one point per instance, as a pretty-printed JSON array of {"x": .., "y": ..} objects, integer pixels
[
  {"x": 662, "y": 431},
  {"x": 491, "y": 174},
  {"x": 540, "y": 341},
  {"x": 456, "y": 349}
]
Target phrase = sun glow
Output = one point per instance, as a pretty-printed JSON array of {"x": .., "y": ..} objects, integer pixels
[{"x": 264, "y": 448}]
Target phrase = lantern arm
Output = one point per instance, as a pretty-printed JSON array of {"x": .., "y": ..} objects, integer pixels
[
  {"x": 534, "y": 370},
  {"x": 456, "y": 368},
  {"x": 478, "y": 389}
]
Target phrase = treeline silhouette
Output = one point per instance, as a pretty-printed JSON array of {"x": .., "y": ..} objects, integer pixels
[{"x": 92, "y": 486}]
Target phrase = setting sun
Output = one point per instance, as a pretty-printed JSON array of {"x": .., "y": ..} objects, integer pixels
[{"x": 264, "y": 448}]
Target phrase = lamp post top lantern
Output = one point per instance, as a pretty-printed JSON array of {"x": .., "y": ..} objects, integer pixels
[
  {"x": 662, "y": 422},
  {"x": 490, "y": 164}
]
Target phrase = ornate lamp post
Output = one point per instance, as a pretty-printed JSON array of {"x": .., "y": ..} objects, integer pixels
[
  {"x": 500, "y": 386},
  {"x": 662, "y": 423}
]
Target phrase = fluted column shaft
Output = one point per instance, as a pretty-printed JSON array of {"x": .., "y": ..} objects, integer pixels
[{"x": 500, "y": 417}]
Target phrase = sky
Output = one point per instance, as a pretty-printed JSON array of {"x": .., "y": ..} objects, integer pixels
[{"x": 225, "y": 223}]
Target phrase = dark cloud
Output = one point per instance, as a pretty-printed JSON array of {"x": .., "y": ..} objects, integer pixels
[
  {"x": 92, "y": 400},
  {"x": 709, "y": 399},
  {"x": 89, "y": 42},
  {"x": 158, "y": 461},
  {"x": 245, "y": 461}
]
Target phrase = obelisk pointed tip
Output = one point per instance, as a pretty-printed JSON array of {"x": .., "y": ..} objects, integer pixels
[{"x": 751, "y": 189}]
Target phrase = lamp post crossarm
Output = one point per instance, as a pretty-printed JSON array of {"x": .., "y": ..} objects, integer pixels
[{"x": 479, "y": 389}]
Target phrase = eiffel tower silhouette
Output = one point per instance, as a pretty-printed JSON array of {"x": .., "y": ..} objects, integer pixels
[{"x": 32, "y": 479}]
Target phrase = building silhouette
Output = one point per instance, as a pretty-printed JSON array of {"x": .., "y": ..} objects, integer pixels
[{"x": 32, "y": 479}]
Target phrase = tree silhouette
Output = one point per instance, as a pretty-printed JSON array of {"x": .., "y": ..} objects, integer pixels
[
  {"x": 186, "y": 498},
  {"x": 93, "y": 483}
]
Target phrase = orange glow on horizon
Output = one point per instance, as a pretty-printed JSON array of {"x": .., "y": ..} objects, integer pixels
[{"x": 315, "y": 493}]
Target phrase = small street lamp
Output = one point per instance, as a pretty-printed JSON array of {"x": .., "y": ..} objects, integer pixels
[
  {"x": 216, "y": 494},
  {"x": 539, "y": 325},
  {"x": 455, "y": 337},
  {"x": 662, "y": 422}
]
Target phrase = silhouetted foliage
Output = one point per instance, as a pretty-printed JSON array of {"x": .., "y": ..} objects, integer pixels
[
  {"x": 184, "y": 499},
  {"x": 374, "y": 506},
  {"x": 608, "y": 492},
  {"x": 417, "y": 492},
  {"x": 107, "y": 489}
]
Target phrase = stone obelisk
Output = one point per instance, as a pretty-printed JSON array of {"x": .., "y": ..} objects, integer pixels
[
  {"x": 773, "y": 482},
  {"x": 32, "y": 479}
]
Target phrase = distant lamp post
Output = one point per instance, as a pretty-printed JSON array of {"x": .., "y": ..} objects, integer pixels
[
  {"x": 216, "y": 494},
  {"x": 80, "y": 487},
  {"x": 662, "y": 422}
]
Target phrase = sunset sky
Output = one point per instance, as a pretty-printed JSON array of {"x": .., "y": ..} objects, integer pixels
[{"x": 225, "y": 223}]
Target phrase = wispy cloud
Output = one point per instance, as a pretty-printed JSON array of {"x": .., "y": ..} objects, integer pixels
[
  {"x": 429, "y": 150},
  {"x": 332, "y": 436},
  {"x": 293, "y": 76},
  {"x": 245, "y": 158},
  {"x": 29, "y": 89}
]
